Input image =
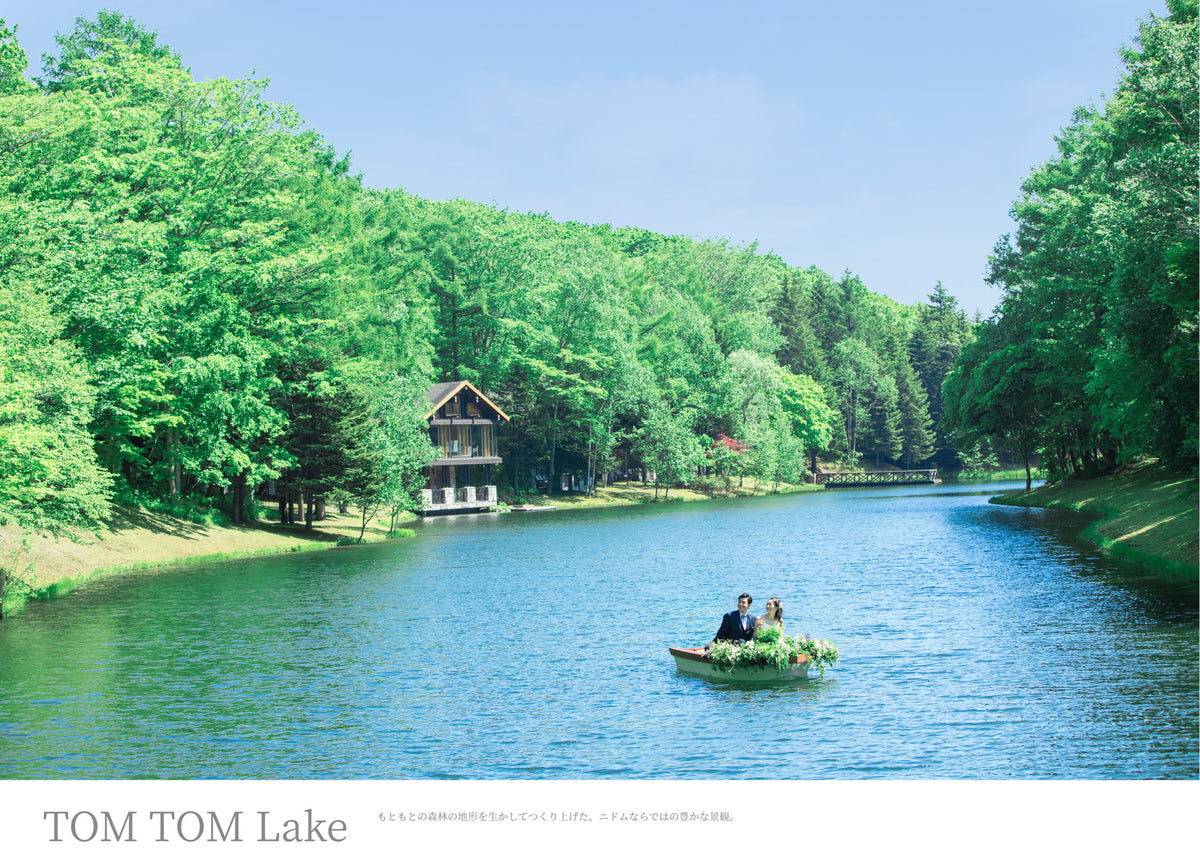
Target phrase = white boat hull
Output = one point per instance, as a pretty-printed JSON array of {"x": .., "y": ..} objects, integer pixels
[{"x": 694, "y": 662}]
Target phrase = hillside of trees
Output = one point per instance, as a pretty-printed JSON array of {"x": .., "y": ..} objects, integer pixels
[
  {"x": 1091, "y": 357},
  {"x": 198, "y": 296}
]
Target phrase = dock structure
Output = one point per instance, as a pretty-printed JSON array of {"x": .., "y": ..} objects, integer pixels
[
  {"x": 907, "y": 477},
  {"x": 467, "y": 499}
]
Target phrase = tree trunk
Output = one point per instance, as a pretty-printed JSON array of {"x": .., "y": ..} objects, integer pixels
[
  {"x": 308, "y": 511},
  {"x": 553, "y": 450},
  {"x": 175, "y": 478},
  {"x": 237, "y": 511}
]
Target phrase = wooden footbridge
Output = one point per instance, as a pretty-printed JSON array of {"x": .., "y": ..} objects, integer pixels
[{"x": 909, "y": 477}]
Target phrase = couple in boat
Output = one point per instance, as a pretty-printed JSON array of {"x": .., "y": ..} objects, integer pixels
[{"x": 740, "y": 625}]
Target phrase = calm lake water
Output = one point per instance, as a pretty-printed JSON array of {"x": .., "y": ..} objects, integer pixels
[{"x": 978, "y": 641}]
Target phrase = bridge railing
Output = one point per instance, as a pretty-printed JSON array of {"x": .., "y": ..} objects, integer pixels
[{"x": 908, "y": 476}]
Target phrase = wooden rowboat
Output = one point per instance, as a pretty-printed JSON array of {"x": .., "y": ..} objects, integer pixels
[{"x": 694, "y": 662}]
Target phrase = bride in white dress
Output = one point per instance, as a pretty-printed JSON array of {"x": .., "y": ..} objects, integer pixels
[{"x": 772, "y": 619}]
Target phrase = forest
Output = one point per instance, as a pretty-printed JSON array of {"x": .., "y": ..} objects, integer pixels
[{"x": 199, "y": 298}]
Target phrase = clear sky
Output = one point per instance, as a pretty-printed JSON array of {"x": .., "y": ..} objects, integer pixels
[{"x": 888, "y": 138}]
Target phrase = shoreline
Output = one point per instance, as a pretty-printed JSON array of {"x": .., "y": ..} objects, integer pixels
[
  {"x": 138, "y": 539},
  {"x": 1145, "y": 514},
  {"x": 1131, "y": 525}
]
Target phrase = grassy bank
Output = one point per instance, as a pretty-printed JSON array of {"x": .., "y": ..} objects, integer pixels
[
  {"x": 136, "y": 538},
  {"x": 1146, "y": 514},
  {"x": 991, "y": 476}
]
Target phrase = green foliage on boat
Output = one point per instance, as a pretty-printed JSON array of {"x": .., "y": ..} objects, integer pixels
[{"x": 772, "y": 649}]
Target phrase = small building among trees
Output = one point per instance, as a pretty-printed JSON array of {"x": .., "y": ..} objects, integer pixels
[{"x": 462, "y": 424}]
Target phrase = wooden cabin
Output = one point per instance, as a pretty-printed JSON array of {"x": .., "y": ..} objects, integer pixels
[{"x": 463, "y": 424}]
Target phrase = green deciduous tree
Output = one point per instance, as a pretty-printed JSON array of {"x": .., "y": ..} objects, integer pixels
[
  {"x": 809, "y": 417},
  {"x": 50, "y": 479},
  {"x": 1098, "y": 319},
  {"x": 1145, "y": 380},
  {"x": 49, "y": 476},
  {"x": 13, "y": 61},
  {"x": 668, "y": 447},
  {"x": 994, "y": 389},
  {"x": 385, "y": 442}
]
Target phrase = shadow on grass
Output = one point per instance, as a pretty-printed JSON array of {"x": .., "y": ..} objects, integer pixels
[{"x": 125, "y": 518}]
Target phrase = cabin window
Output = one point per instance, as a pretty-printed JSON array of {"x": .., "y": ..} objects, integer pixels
[
  {"x": 481, "y": 441},
  {"x": 460, "y": 440}
]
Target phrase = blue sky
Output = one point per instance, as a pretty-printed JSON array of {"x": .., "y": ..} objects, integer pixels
[{"x": 886, "y": 138}]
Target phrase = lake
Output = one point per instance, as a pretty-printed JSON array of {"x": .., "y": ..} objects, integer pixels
[{"x": 978, "y": 642}]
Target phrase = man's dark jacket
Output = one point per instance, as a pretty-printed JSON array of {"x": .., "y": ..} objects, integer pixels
[{"x": 731, "y": 627}]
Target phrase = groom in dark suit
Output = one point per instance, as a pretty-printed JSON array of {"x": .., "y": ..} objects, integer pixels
[{"x": 737, "y": 624}]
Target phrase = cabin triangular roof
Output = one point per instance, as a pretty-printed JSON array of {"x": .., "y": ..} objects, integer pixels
[{"x": 440, "y": 393}]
